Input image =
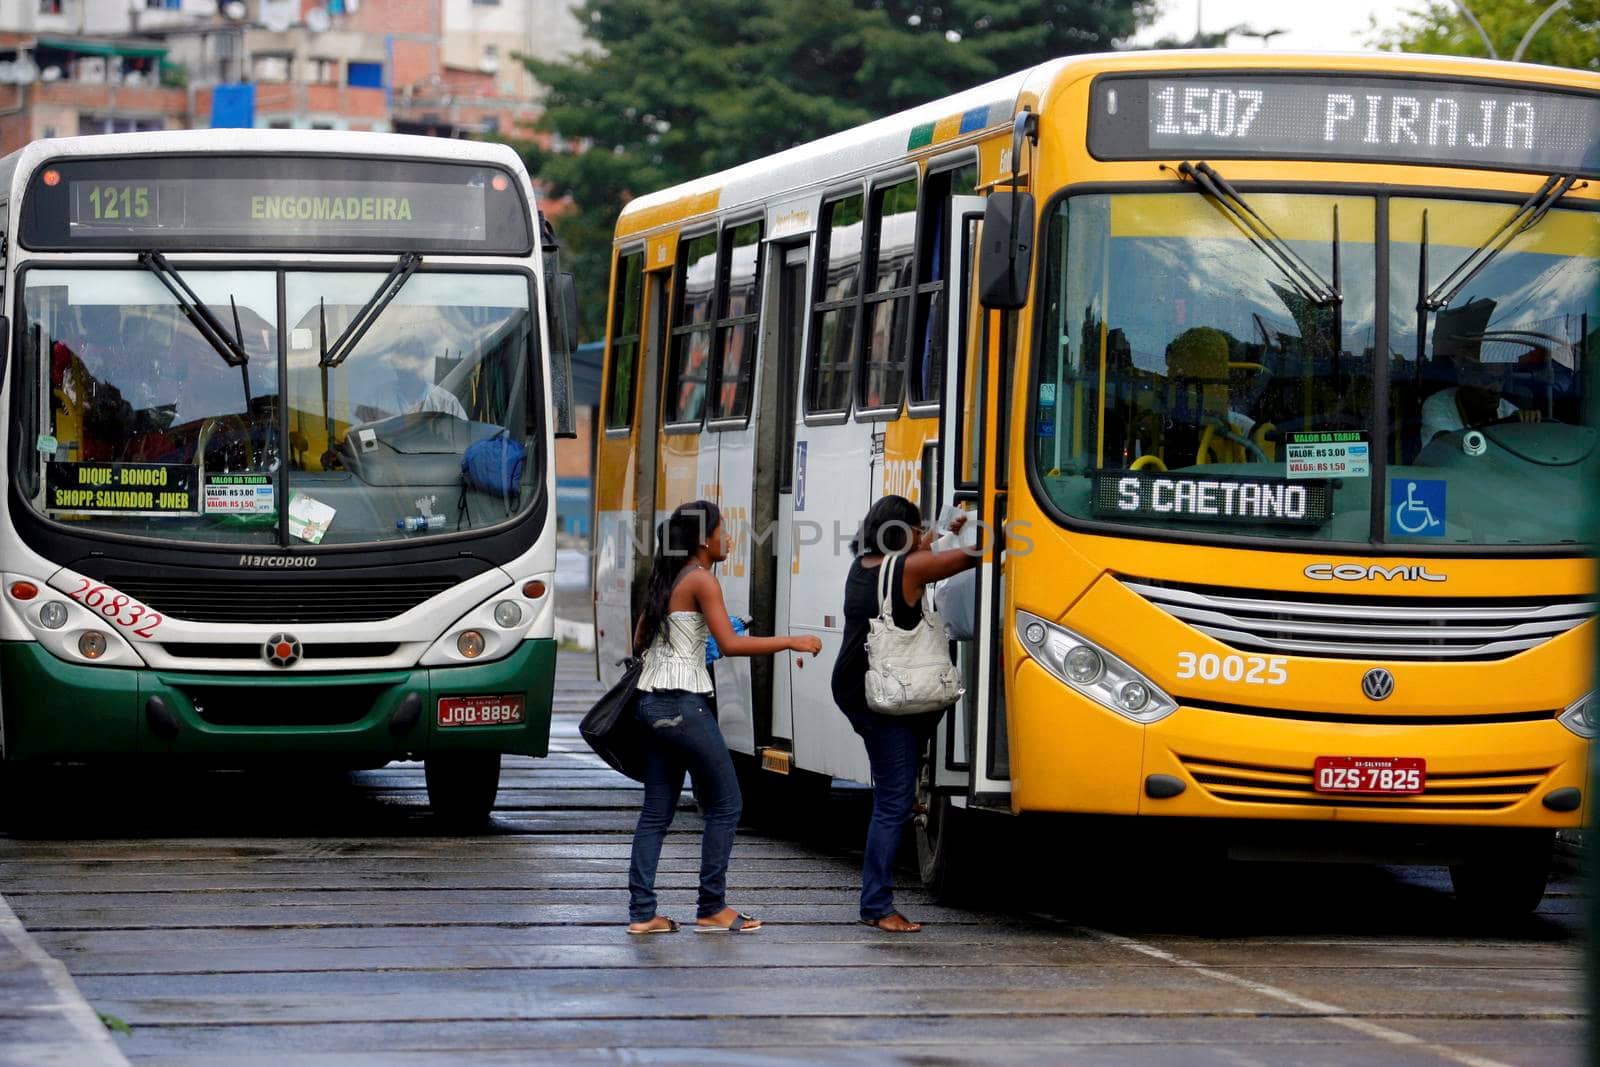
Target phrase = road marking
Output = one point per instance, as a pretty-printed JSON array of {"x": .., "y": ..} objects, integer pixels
[{"x": 1334, "y": 1014}]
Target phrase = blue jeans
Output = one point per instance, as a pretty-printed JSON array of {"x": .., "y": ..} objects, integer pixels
[
  {"x": 685, "y": 738},
  {"x": 894, "y": 747}
]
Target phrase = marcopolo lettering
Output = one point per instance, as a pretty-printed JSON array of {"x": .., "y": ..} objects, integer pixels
[{"x": 283, "y": 561}]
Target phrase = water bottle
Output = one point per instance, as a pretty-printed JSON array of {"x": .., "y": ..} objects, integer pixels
[{"x": 415, "y": 523}]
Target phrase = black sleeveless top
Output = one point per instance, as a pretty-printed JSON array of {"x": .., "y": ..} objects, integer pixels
[{"x": 861, "y": 606}]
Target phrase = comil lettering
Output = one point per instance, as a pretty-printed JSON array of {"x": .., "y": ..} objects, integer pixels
[{"x": 1401, "y": 119}]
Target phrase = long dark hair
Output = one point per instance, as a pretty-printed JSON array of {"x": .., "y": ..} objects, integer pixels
[
  {"x": 685, "y": 530},
  {"x": 890, "y": 526}
]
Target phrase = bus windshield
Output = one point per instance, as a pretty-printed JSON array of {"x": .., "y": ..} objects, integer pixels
[
  {"x": 136, "y": 424},
  {"x": 1191, "y": 384}
]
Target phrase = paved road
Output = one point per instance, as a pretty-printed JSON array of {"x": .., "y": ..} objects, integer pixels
[{"x": 244, "y": 918}]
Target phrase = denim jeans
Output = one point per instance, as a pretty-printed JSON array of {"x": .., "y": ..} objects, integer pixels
[
  {"x": 685, "y": 738},
  {"x": 894, "y": 747}
]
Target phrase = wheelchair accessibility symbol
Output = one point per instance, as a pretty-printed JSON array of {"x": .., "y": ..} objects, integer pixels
[{"x": 1417, "y": 507}]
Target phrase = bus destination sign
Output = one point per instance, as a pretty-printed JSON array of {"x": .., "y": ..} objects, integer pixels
[
  {"x": 122, "y": 488},
  {"x": 250, "y": 203},
  {"x": 1213, "y": 498},
  {"x": 1331, "y": 116},
  {"x": 209, "y": 205}
]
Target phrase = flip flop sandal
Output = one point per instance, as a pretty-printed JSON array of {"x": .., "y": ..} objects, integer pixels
[
  {"x": 670, "y": 928},
  {"x": 738, "y": 926},
  {"x": 877, "y": 924}
]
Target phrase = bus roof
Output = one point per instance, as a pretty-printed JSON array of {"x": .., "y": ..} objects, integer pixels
[
  {"x": 243, "y": 142},
  {"x": 987, "y": 109}
]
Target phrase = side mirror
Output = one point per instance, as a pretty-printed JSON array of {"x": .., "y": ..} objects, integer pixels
[
  {"x": 1005, "y": 258},
  {"x": 563, "y": 341}
]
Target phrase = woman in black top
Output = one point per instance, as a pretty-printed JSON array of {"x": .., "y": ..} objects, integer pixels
[{"x": 892, "y": 529}]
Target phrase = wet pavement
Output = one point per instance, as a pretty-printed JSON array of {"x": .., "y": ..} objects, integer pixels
[{"x": 260, "y": 916}]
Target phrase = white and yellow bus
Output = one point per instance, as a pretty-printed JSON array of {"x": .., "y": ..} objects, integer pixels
[{"x": 1269, "y": 378}]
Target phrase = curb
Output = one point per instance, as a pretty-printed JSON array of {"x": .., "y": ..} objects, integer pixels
[{"x": 44, "y": 1019}]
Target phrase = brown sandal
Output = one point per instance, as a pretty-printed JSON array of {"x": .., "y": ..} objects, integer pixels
[
  {"x": 647, "y": 930},
  {"x": 909, "y": 927}
]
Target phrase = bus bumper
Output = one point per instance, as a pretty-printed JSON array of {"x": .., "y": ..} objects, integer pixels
[
  {"x": 1069, "y": 754},
  {"x": 55, "y": 710}
]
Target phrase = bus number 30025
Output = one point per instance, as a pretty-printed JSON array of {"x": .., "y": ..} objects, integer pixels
[
  {"x": 117, "y": 607},
  {"x": 1251, "y": 670}
]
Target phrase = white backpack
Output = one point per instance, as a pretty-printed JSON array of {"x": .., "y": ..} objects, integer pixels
[{"x": 908, "y": 671}]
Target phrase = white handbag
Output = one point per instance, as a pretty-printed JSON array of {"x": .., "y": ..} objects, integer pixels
[{"x": 908, "y": 671}]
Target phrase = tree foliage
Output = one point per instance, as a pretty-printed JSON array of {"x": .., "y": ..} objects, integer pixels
[
  {"x": 1569, "y": 38},
  {"x": 671, "y": 91}
]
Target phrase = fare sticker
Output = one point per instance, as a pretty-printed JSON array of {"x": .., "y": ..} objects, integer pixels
[{"x": 1328, "y": 454}]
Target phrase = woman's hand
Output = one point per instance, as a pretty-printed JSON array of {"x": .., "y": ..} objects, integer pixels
[{"x": 809, "y": 643}]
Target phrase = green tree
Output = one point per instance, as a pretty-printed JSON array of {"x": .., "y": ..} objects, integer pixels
[
  {"x": 671, "y": 91},
  {"x": 1569, "y": 38}
]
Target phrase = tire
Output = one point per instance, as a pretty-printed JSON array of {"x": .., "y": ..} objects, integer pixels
[
  {"x": 462, "y": 787},
  {"x": 1505, "y": 880},
  {"x": 956, "y": 848}
]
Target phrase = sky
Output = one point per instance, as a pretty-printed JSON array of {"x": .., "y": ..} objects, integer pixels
[{"x": 1312, "y": 25}]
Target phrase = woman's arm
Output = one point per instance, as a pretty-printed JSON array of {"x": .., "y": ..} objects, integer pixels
[
  {"x": 708, "y": 600},
  {"x": 923, "y": 567}
]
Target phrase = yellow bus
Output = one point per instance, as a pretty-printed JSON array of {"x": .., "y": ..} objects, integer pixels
[{"x": 1266, "y": 378}]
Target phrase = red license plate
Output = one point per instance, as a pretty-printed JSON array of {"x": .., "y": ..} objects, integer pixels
[
  {"x": 1370, "y": 774},
  {"x": 480, "y": 711}
]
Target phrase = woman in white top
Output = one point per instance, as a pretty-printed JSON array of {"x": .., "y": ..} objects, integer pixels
[{"x": 683, "y": 603}]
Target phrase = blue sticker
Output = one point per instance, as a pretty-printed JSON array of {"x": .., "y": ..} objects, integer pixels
[
  {"x": 1417, "y": 507},
  {"x": 800, "y": 475}
]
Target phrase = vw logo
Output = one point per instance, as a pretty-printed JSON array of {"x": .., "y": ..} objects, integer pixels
[
  {"x": 282, "y": 650},
  {"x": 1377, "y": 684}
]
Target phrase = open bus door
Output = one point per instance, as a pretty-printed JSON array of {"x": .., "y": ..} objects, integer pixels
[{"x": 968, "y": 765}]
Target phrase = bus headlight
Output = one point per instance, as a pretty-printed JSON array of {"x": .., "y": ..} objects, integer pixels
[
  {"x": 1093, "y": 671},
  {"x": 507, "y": 613},
  {"x": 470, "y": 644},
  {"x": 92, "y": 644},
  {"x": 1582, "y": 717},
  {"x": 52, "y": 615}
]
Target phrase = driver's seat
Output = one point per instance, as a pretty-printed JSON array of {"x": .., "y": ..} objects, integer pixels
[{"x": 1197, "y": 368}]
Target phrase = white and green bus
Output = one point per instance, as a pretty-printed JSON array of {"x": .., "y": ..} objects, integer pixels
[{"x": 281, "y": 413}]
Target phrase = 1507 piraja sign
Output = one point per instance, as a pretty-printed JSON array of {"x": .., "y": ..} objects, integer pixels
[{"x": 122, "y": 488}]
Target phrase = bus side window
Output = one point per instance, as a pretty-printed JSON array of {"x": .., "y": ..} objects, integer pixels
[
  {"x": 623, "y": 358},
  {"x": 689, "y": 368},
  {"x": 739, "y": 305},
  {"x": 892, "y": 236},
  {"x": 930, "y": 326},
  {"x": 831, "y": 368}
]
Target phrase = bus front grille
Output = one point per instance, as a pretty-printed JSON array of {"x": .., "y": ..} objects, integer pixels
[
  {"x": 1249, "y": 783},
  {"x": 1366, "y": 627},
  {"x": 281, "y": 602}
]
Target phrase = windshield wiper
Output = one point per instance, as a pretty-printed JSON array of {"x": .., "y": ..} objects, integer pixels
[
  {"x": 194, "y": 309},
  {"x": 1525, "y": 218},
  {"x": 345, "y": 343},
  {"x": 230, "y": 346},
  {"x": 1305, "y": 278}
]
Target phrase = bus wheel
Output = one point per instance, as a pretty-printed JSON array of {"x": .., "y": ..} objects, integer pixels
[
  {"x": 950, "y": 851},
  {"x": 1506, "y": 879},
  {"x": 462, "y": 787}
]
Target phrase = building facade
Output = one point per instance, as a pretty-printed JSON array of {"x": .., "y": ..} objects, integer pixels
[{"x": 441, "y": 67}]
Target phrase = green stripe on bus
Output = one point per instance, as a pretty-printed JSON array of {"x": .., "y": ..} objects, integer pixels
[{"x": 921, "y": 136}]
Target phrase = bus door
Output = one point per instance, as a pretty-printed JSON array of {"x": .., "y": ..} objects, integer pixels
[
  {"x": 647, "y": 436},
  {"x": 780, "y": 398},
  {"x": 969, "y": 748}
]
